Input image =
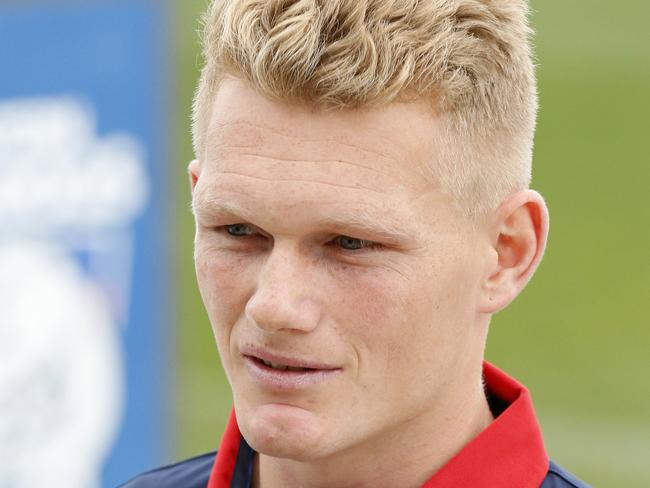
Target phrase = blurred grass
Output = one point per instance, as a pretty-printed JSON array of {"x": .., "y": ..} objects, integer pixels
[
  {"x": 202, "y": 398},
  {"x": 579, "y": 335}
]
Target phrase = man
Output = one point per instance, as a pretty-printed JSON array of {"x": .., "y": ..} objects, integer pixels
[{"x": 362, "y": 209}]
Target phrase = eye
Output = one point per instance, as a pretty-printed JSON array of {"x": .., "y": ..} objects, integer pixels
[
  {"x": 353, "y": 244},
  {"x": 239, "y": 230}
]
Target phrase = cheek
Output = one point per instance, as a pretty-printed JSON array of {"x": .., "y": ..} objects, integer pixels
[
  {"x": 408, "y": 318},
  {"x": 373, "y": 308},
  {"x": 224, "y": 280}
]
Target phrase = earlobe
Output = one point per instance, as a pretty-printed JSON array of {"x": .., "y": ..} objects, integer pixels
[
  {"x": 194, "y": 170},
  {"x": 519, "y": 238}
]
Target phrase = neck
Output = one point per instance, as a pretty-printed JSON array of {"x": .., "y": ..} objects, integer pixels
[{"x": 406, "y": 456}]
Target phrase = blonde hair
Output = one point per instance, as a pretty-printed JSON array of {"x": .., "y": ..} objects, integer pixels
[{"x": 470, "y": 59}]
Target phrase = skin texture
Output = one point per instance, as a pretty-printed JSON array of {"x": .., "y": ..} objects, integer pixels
[{"x": 399, "y": 308}]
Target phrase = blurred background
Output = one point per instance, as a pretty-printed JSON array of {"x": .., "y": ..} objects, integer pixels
[{"x": 107, "y": 361}]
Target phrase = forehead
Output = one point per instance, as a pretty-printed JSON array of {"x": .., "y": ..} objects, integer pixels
[{"x": 289, "y": 156}]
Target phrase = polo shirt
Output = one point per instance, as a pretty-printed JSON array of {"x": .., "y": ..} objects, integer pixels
[{"x": 509, "y": 453}]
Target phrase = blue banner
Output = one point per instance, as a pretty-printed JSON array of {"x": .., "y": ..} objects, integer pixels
[{"x": 84, "y": 264}]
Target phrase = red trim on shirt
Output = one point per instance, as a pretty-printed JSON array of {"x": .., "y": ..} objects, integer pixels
[
  {"x": 224, "y": 463},
  {"x": 509, "y": 452}
]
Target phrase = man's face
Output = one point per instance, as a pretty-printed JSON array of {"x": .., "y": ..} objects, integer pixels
[{"x": 322, "y": 245}]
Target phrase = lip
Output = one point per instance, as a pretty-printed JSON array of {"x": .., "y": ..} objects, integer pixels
[
  {"x": 315, "y": 373},
  {"x": 269, "y": 356}
]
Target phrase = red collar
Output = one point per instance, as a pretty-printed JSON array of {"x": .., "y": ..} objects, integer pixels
[{"x": 510, "y": 452}]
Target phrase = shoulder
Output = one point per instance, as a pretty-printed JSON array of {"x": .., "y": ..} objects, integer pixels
[
  {"x": 558, "y": 477},
  {"x": 191, "y": 473}
]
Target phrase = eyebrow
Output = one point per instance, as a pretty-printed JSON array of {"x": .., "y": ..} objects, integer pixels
[{"x": 387, "y": 228}]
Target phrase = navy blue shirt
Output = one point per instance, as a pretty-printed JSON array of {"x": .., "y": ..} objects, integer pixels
[{"x": 195, "y": 472}]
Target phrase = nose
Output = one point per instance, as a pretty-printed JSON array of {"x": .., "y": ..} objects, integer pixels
[{"x": 284, "y": 296}]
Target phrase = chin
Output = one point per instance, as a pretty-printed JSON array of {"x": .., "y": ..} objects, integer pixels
[
  {"x": 284, "y": 431},
  {"x": 283, "y": 449}
]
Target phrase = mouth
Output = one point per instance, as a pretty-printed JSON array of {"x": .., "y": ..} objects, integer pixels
[
  {"x": 282, "y": 367},
  {"x": 285, "y": 373}
]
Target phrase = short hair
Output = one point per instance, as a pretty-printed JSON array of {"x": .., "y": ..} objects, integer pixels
[{"x": 469, "y": 59}]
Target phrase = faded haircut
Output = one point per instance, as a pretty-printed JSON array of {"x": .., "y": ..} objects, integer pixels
[{"x": 469, "y": 60}]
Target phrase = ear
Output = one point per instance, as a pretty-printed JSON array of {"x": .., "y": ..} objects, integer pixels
[
  {"x": 194, "y": 171},
  {"x": 518, "y": 234}
]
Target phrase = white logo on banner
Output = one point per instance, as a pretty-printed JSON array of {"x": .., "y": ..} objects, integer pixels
[{"x": 68, "y": 199}]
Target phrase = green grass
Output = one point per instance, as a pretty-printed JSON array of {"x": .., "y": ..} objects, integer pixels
[
  {"x": 579, "y": 335},
  {"x": 202, "y": 398}
]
